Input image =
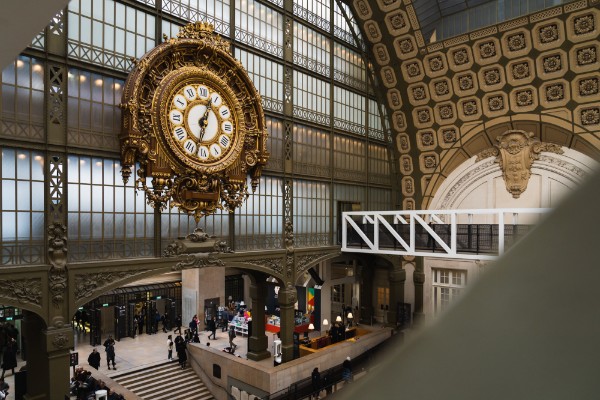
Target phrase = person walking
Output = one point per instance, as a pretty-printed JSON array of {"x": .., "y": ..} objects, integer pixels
[
  {"x": 347, "y": 370},
  {"x": 177, "y": 324},
  {"x": 316, "y": 382},
  {"x": 9, "y": 359},
  {"x": 109, "y": 346},
  {"x": 212, "y": 326},
  {"x": 232, "y": 336},
  {"x": 94, "y": 359}
]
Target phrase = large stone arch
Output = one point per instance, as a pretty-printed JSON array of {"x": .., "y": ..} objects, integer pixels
[{"x": 482, "y": 137}]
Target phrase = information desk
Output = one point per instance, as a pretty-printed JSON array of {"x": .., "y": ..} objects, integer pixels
[
  {"x": 273, "y": 324},
  {"x": 309, "y": 346}
]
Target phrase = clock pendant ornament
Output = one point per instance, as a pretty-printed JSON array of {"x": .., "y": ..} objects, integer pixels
[{"x": 194, "y": 122}]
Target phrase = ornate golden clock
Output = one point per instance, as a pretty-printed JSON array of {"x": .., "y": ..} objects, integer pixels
[{"x": 194, "y": 122}]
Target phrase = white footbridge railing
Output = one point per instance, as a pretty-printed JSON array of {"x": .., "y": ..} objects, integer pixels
[{"x": 481, "y": 234}]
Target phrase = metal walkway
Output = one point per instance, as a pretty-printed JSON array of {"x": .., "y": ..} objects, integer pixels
[{"x": 481, "y": 234}]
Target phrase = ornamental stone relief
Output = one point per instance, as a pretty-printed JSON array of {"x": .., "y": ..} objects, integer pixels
[
  {"x": 388, "y": 5},
  {"x": 408, "y": 186},
  {"x": 487, "y": 49},
  {"x": 413, "y": 69},
  {"x": 442, "y": 87},
  {"x": 548, "y": 33},
  {"x": 403, "y": 143},
  {"x": 389, "y": 77},
  {"x": 424, "y": 115},
  {"x": 406, "y": 167},
  {"x": 23, "y": 290},
  {"x": 588, "y": 87},
  {"x": 586, "y": 56},
  {"x": 426, "y": 139},
  {"x": 394, "y": 99},
  {"x": 584, "y": 24},
  {"x": 552, "y": 63},
  {"x": 515, "y": 152},
  {"x": 449, "y": 135},
  {"x": 446, "y": 111},
  {"x": 406, "y": 45},
  {"x": 470, "y": 107},
  {"x": 419, "y": 92},
  {"x": 521, "y": 70},
  {"x": 381, "y": 54},
  {"x": 408, "y": 204},
  {"x": 496, "y": 103},
  {"x": 363, "y": 9},
  {"x": 524, "y": 97},
  {"x": 428, "y": 162},
  {"x": 436, "y": 63},
  {"x": 555, "y": 92},
  {"x": 396, "y": 22},
  {"x": 492, "y": 76},
  {"x": 516, "y": 42},
  {"x": 372, "y": 31},
  {"x": 465, "y": 82},
  {"x": 460, "y": 56},
  {"x": 590, "y": 116},
  {"x": 399, "y": 120}
]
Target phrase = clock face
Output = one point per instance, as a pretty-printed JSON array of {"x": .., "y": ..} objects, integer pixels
[{"x": 201, "y": 122}]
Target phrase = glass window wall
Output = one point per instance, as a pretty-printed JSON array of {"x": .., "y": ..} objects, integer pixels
[
  {"x": 22, "y": 217},
  {"x": 94, "y": 117},
  {"x": 215, "y": 12},
  {"x": 22, "y": 103},
  {"x": 259, "y": 26},
  {"x": 109, "y": 33}
]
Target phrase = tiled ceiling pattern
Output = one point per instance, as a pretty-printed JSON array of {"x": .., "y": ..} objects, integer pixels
[{"x": 449, "y": 100}]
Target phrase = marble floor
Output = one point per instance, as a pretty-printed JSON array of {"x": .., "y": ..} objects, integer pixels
[{"x": 141, "y": 352}]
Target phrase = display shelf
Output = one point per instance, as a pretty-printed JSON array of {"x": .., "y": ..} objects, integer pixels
[{"x": 240, "y": 325}]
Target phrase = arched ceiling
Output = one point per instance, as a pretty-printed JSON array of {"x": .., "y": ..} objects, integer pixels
[{"x": 449, "y": 100}]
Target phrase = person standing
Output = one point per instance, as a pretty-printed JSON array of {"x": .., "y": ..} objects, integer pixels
[
  {"x": 232, "y": 336},
  {"x": 180, "y": 347},
  {"x": 170, "y": 347},
  {"x": 141, "y": 322},
  {"x": 94, "y": 359},
  {"x": 165, "y": 322},
  {"x": 316, "y": 382},
  {"x": 109, "y": 346},
  {"x": 193, "y": 325},
  {"x": 9, "y": 360},
  {"x": 212, "y": 326}
]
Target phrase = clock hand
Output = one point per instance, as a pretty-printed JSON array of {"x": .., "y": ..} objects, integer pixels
[{"x": 203, "y": 122}]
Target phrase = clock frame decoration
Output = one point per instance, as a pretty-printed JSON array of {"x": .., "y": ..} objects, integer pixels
[{"x": 194, "y": 122}]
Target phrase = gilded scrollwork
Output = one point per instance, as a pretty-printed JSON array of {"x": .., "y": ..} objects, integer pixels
[{"x": 197, "y": 181}]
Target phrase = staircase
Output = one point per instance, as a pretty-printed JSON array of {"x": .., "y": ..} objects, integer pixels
[{"x": 164, "y": 381}]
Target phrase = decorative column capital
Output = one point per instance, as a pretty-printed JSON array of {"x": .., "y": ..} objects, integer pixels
[{"x": 288, "y": 296}]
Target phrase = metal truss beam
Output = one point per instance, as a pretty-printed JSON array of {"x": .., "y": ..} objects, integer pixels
[{"x": 480, "y": 234}]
